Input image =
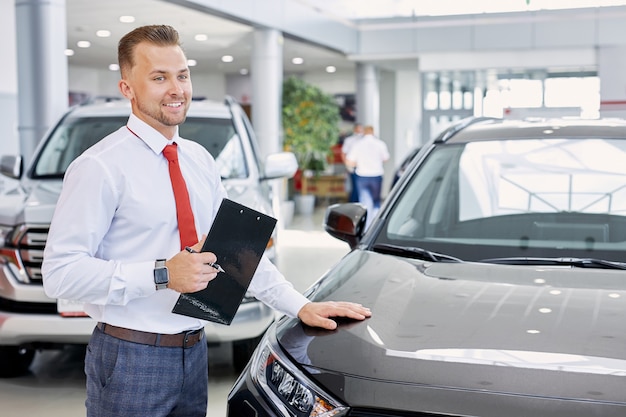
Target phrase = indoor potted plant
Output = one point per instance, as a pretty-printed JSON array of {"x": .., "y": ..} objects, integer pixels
[{"x": 310, "y": 120}]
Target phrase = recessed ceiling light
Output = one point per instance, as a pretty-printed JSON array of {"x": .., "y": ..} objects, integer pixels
[
  {"x": 297, "y": 61},
  {"x": 243, "y": 71},
  {"x": 69, "y": 52},
  {"x": 330, "y": 69},
  {"x": 228, "y": 58},
  {"x": 127, "y": 19},
  {"x": 114, "y": 67},
  {"x": 103, "y": 33},
  {"x": 192, "y": 62},
  {"x": 201, "y": 37},
  {"x": 83, "y": 44}
]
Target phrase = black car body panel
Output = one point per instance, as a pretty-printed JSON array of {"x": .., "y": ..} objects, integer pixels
[{"x": 428, "y": 326}]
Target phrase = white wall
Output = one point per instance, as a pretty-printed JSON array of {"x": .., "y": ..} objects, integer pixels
[
  {"x": 93, "y": 82},
  {"x": 340, "y": 82},
  {"x": 210, "y": 86}
]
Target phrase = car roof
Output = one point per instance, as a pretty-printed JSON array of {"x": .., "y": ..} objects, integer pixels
[
  {"x": 121, "y": 107},
  {"x": 484, "y": 129}
]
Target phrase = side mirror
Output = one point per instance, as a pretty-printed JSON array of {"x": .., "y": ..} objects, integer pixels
[
  {"x": 11, "y": 166},
  {"x": 279, "y": 165},
  {"x": 346, "y": 222}
]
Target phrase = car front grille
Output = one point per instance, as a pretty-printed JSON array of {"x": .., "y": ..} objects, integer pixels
[
  {"x": 29, "y": 242},
  {"x": 21, "y": 307}
]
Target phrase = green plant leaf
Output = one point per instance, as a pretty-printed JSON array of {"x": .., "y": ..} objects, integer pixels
[{"x": 310, "y": 123}]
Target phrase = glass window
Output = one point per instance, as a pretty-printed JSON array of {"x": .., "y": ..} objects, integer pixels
[
  {"x": 525, "y": 93},
  {"x": 220, "y": 138},
  {"x": 583, "y": 92},
  {"x": 71, "y": 138}
]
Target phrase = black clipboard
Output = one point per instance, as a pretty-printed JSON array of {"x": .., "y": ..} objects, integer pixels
[{"x": 238, "y": 237}]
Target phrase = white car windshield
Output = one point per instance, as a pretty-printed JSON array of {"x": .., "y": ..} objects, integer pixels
[{"x": 74, "y": 135}]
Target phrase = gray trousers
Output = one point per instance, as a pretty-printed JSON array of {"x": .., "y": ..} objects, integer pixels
[{"x": 130, "y": 379}]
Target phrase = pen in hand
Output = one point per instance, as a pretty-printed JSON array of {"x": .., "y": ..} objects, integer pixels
[{"x": 214, "y": 265}]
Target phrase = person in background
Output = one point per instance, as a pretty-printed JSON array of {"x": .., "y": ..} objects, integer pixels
[
  {"x": 117, "y": 245},
  {"x": 357, "y": 133},
  {"x": 366, "y": 158}
]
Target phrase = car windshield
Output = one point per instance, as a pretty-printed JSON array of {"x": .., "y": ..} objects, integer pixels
[
  {"x": 74, "y": 135},
  {"x": 548, "y": 198}
]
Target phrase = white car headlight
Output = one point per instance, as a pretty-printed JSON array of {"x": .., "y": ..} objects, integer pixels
[
  {"x": 5, "y": 235},
  {"x": 289, "y": 390}
]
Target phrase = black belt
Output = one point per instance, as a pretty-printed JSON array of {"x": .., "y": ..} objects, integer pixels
[{"x": 184, "y": 339}]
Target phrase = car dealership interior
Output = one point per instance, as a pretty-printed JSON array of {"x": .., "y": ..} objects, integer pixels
[{"x": 415, "y": 71}]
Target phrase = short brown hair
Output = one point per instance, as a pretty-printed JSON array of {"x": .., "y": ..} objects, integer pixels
[{"x": 162, "y": 35}]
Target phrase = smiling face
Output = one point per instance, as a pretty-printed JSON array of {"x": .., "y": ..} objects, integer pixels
[{"x": 158, "y": 86}]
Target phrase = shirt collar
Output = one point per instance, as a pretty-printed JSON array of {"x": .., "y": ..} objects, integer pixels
[{"x": 153, "y": 138}]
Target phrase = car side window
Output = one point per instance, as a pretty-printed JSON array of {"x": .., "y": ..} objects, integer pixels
[{"x": 220, "y": 138}]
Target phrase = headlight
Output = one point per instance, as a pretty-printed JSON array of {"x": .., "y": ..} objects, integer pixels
[
  {"x": 8, "y": 256},
  {"x": 6, "y": 233},
  {"x": 287, "y": 388}
]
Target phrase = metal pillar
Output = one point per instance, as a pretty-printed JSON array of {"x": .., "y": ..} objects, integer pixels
[
  {"x": 267, "y": 78},
  {"x": 367, "y": 95},
  {"x": 42, "y": 69}
]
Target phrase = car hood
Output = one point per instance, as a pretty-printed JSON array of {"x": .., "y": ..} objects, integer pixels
[
  {"x": 33, "y": 204},
  {"x": 515, "y": 331}
]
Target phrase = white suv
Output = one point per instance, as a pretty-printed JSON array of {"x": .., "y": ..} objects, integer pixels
[{"x": 29, "y": 320}]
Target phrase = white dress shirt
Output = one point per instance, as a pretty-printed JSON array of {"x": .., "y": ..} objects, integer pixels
[
  {"x": 348, "y": 142},
  {"x": 369, "y": 153},
  {"x": 116, "y": 215}
]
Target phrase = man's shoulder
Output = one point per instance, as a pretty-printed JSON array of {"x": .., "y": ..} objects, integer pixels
[
  {"x": 108, "y": 143},
  {"x": 194, "y": 148}
]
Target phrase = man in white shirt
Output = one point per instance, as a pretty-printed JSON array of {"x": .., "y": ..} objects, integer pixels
[
  {"x": 367, "y": 157},
  {"x": 116, "y": 215},
  {"x": 357, "y": 133}
]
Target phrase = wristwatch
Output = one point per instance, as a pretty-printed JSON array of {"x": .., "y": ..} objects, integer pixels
[{"x": 161, "y": 274}]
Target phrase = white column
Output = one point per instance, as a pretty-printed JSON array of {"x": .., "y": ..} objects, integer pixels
[
  {"x": 400, "y": 116},
  {"x": 367, "y": 95},
  {"x": 266, "y": 72},
  {"x": 611, "y": 63},
  {"x": 8, "y": 81},
  {"x": 42, "y": 68}
]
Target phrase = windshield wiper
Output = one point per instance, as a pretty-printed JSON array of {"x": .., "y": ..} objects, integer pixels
[
  {"x": 414, "y": 252},
  {"x": 577, "y": 262}
]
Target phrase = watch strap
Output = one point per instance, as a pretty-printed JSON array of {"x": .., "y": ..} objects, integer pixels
[{"x": 161, "y": 274}]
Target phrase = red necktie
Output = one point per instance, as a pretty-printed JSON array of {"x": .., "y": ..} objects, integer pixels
[{"x": 186, "y": 224}]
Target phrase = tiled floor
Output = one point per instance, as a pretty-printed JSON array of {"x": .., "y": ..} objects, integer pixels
[{"x": 55, "y": 386}]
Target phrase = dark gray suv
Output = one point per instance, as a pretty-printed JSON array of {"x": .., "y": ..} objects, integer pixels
[
  {"x": 496, "y": 275},
  {"x": 29, "y": 320}
]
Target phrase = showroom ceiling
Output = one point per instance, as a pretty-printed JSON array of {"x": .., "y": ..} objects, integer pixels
[{"x": 223, "y": 37}]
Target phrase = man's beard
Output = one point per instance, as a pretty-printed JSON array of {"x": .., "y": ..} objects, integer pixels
[{"x": 161, "y": 117}]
